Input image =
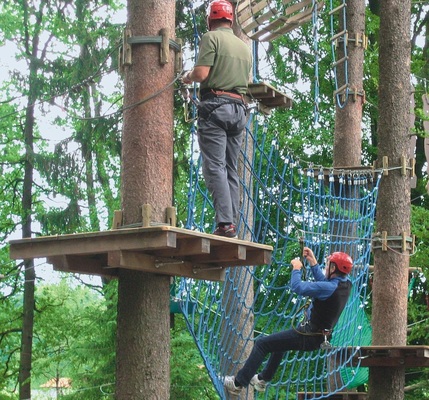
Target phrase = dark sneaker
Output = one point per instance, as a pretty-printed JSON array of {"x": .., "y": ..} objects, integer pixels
[
  {"x": 229, "y": 231},
  {"x": 259, "y": 384},
  {"x": 229, "y": 385}
]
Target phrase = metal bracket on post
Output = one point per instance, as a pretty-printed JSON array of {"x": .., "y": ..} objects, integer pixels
[
  {"x": 406, "y": 165},
  {"x": 359, "y": 39},
  {"x": 347, "y": 90},
  {"x": 163, "y": 40},
  {"x": 406, "y": 243}
]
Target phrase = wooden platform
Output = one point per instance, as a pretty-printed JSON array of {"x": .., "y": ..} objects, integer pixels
[
  {"x": 264, "y": 20},
  {"x": 159, "y": 249},
  {"x": 268, "y": 96},
  {"x": 334, "y": 396},
  {"x": 392, "y": 356}
]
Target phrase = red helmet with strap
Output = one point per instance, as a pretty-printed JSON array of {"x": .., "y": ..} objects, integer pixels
[
  {"x": 343, "y": 261},
  {"x": 220, "y": 9}
]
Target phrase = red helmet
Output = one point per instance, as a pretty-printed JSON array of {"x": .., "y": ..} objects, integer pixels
[
  {"x": 220, "y": 9},
  {"x": 343, "y": 261}
]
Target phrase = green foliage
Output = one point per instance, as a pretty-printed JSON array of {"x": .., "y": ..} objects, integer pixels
[
  {"x": 74, "y": 339},
  {"x": 188, "y": 375}
]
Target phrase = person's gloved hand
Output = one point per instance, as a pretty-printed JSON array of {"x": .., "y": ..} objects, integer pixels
[{"x": 186, "y": 78}]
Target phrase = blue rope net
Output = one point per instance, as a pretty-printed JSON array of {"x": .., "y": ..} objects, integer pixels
[{"x": 285, "y": 203}]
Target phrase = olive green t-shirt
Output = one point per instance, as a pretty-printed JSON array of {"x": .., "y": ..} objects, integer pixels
[{"x": 230, "y": 60}]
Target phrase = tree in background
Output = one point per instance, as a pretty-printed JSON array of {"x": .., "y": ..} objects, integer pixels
[{"x": 44, "y": 34}]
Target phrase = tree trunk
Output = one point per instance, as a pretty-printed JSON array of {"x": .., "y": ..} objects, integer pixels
[
  {"x": 29, "y": 274},
  {"x": 348, "y": 118},
  {"x": 389, "y": 315},
  {"x": 348, "y": 122},
  {"x": 143, "y": 335}
]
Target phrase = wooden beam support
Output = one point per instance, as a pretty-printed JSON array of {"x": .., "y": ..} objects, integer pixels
[
  {"x": 392, "y": 356},
  {"x": 164, "y": 266},
  {"x": 160, "y": 249}
]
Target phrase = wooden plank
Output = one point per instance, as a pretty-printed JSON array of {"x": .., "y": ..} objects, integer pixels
[
  {"x": 259, "y": 21},
  {"x": 286, "y": 24},
  {"x": 117, "y": 219},
  {"x": 277, "y": 102},
  {"x": 291, "y": 24},
  {"x": 298, "y": 6},
  {"x": 179, "y": 251},
  {"x": 93, "y": 264},
  {"x": 186, "y": 246},
  {"x": 258, "y": 257},
  {"x": 262, "y": 92},
  {"x": 392, "y": 356},
  {"x": 283, "y": 20},
  {"x": 90, "y": 243},
  {"x": 269, "y": 96},
  {"x": 222, "y": 254},
  {"x": 286, "y": 2},
  {"x": 249, "y": 12},
  {"x": 242, "y": 5},
  {"x": 282, "y": 31},
  {"x": 172, "y": 267},
  {"x": 259, "y": 89},
  {"x": 268, "y": 28}
]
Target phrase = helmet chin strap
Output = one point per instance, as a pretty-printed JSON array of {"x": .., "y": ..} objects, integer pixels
[{"x": 333, "y": 272}]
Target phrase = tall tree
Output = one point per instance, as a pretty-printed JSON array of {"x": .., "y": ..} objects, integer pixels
[
  {"x": 348, "y": 112},
  {"x": 43, "y": 34},
  {"x": 389, "y": 315},
  {"x": 143, "y": 344}
]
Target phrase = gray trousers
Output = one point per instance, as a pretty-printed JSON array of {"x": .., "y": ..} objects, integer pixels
[{"x": 221, "y": 122}]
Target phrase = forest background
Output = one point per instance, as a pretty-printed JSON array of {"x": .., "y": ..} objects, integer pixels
[{"x": 60, "y": 136}]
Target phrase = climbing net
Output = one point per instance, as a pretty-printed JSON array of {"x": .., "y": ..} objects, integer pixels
[{"x": 286, "y": 203}]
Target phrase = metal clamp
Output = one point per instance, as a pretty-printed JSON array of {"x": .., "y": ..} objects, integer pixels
[
  {"x": 407, "y": 243},
  {"x": 125, "y": 53}
]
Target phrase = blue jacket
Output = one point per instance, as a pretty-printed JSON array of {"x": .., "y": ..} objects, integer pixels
[{"x": 329, "y": 296}]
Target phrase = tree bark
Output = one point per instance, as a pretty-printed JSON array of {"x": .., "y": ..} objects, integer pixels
[
  {"x": 143, "y": 335},
  {"x": 348, "y": 121},
  {"x": 348, "y": 118},
  {"x": 25, "y": 364},
  {"x": 389, "y": 315}
]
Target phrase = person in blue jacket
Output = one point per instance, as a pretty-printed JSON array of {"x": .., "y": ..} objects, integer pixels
[{"x": 329, "y": 292}]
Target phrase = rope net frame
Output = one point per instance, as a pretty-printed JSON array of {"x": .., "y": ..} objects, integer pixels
[{"x": 286, "y": 203}]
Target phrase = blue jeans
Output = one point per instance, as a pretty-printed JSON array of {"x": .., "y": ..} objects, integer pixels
[
  {"x": 276, "y": 344},
  {"x": 221, "y": 123}
]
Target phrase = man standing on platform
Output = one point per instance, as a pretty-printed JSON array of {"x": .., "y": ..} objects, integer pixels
[{"x": 223, "y": 70}]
